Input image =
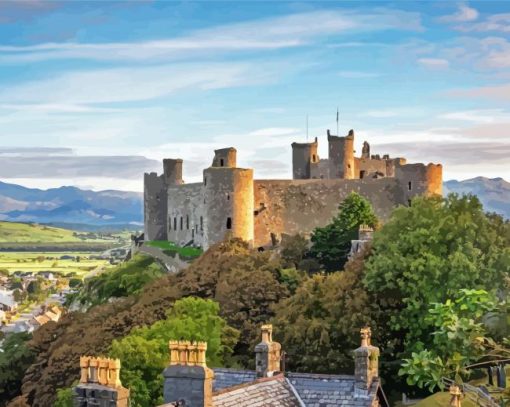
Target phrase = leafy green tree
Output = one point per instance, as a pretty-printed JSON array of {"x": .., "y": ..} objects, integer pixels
[
  {"x": 144, "y": 352},
  {"x": 64, "y": 398},
  {"x": 319, "y": 325},
  {"x": 293, "y": 249},
  {"x": 426, "y": 254},
  {"x": 459, "y": 339},
  {"x": 331, "y": 244},
  {"x": 15, "y": 357}
]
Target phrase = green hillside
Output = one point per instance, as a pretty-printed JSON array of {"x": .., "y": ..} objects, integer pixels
[{"x": 13, "y": 232}]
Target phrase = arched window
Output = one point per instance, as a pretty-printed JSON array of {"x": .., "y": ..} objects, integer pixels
[
  {"x": 205, "y": 181},
  {"x": 181, "y": 223},
  {"x": 313, "y": 158},
  {"x": 410, "y": 185},
  {"x": 187, "y": 222},
  {"x": 175, "y": 223},
  {"x": 222, "y": 163},
  {"x": 228, "y": 197},
  {"x": 229, "y": 223},
  {"x": 201, "y": 223}
]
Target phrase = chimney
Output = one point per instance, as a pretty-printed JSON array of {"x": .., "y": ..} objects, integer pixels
[
  {"x": 456, "y": 394},
  {"x": 267, "y": 354},
  {"x": 188, "y": 380},
  {"x": 366, "y": 364},
  {"x": 100, "y": 383}
]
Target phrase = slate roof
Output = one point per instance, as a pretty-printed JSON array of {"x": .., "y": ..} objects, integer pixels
[
  {"x": 310, "y": 390},
  {"x": 321, "y": 390},
  {"x": 266, "y": 392},
  {"x": 224, "y": 378}
]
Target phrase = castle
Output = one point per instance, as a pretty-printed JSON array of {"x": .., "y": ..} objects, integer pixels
[{"x": 229, "y": 202}]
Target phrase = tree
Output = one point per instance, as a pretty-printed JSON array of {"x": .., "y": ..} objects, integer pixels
[
  {"x": 332, "y": 243},
  {"x": 293, "y": 249},
  {"x": 15, "y": 357},
  {"x": 319, "y": 325},
  {"x": 144, "y": 352},
  {"x": 459, "y": 340},
  {"x": 426, "y": 254}
]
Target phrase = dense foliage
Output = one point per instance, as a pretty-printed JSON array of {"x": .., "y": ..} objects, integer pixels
[
  {"x": 125, "y": 279},
  {"x": 332, "y": 243},
  {"x": 428, "y": 253},
  {"x": 15, "y": 357},
  {"x": 144, "y": 352},
  {"x": 459, "y": 339}
]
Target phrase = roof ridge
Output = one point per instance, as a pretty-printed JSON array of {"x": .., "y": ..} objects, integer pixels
[{"x": 278, "y": 377}]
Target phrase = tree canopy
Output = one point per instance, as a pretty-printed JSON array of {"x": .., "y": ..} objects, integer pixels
[{"x": 331, "y": 244}]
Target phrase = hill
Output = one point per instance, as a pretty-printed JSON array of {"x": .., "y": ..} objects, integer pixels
[
  {"x": 13, "y": 232},
  {"x": 71, "y": 207},
  {"x": 494, "y": 193}
]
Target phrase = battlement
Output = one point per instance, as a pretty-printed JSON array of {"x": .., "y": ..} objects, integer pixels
[{"x": 230, "y": 203}]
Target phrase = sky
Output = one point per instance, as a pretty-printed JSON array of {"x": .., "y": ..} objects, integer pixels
[{"x": 95, "y": 93}]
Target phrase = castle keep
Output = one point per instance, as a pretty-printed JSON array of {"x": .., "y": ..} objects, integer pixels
[{"x": 229, "y": 202}]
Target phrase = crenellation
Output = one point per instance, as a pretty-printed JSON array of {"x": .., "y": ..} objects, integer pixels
[{"x": 230, "y": 203}]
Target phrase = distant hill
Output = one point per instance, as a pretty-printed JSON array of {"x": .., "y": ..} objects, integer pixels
[
  {"x": 24, "y": 232},
  {"x": 493, "y": 192},
  {"x": 71, "y": 207}
]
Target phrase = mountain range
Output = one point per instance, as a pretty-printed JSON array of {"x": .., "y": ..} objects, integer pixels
[
  {"x": 494, "y": 193},
  {"x": 71, "y": 207},
  {"x": 78, "y": 209}
]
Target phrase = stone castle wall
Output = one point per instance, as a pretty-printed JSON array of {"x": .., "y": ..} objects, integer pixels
[
  {"x": 299, "y": 206},
  {"x": 230, "y": 203}
]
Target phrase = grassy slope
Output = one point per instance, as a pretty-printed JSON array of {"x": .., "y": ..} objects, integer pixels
[{"x": 12, "y": 232}]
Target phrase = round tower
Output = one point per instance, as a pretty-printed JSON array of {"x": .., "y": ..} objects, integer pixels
[
  {"x": 341, "y": 156},
  {"x": 228, "y": 204},
  {"x": 172, "y": 170},
  {"x": 303, "y": 156}
]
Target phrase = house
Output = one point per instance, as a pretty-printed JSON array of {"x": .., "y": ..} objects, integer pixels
[
  {"x": 188, "y": 382},
  {"x": 51, "y": 314},
  {"x": 7, "y": 302}
]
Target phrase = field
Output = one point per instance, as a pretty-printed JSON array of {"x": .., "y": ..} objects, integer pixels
[
  {"x": 12, "y": 232},
  {"x": 62, "y": 263}
]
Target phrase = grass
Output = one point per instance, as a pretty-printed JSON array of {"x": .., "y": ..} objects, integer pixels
[
  {"x": 14, "y": 232},
  {"x": 171, "y": 249},
  {"x": 442, "y": 399},
  {"x": 50, "y": 261}
]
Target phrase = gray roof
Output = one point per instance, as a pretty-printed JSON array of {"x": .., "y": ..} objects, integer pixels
[
  {"x": 224, "y": 378},
  {"x": 266, "y": 392},
  {"x": 321, "y": 390},
  {"x": 310, "y": 390}
]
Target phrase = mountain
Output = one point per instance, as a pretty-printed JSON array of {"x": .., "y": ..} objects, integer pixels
[
  {"x": 493, "y": 192},
  {"x": 72, "y": 207}
]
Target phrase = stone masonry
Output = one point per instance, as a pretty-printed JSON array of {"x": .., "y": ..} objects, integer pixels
[{"x": 229, "y": 202}]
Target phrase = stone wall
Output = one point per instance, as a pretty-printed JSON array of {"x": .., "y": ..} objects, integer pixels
[
  {"x": 186, "y": 213},
  {"x": 299, "y": 206},
  {"x": 155, "y": 207}
]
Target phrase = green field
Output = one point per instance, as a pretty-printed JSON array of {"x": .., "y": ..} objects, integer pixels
[{"x": 51, "y": 261}]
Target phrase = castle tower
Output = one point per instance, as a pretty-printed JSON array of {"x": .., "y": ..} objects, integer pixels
[
  {"x": 155, "y": 206},
  {"x": 228, "y": 200},
  {"x": 304, "y": 155},
  {"x": 341, "y": 156},
  {"x": 172, "y": 170},
  {"x": 225, "y": 157}
]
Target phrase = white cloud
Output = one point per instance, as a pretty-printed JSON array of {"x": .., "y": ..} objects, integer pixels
[
  {"x": 495, "y": 22},
  {"x": 265, "y": 34},
  {"x": 499, "y": 92},
  {"x": 477, "y": 116},
  {"x": 464, "y": 13},
  {"x": 434, "y": 63},
  {"x": 135, "y": 84}
]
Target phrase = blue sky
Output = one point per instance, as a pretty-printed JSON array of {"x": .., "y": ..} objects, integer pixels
[{"x": 90, "y": 91}]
